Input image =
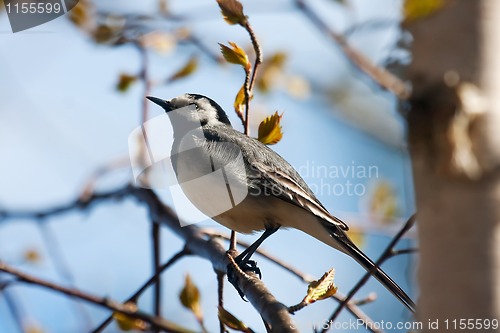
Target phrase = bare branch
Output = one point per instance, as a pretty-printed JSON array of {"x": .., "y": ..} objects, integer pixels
[
  {"x": 403, "y": 251},
  {"x": 272, "y": 311},
  {"x": 249, "y": 82},
  {"x": 351, "y": 306},
  {"x": 385, "y": 255},
  {"x": 145, "y": 286},
  {"x": 258, "y": 53},
  {"x": 155, "y": 234},
  {"x": 379, "y": 74},
  {"x": 220, "y": 297},
  {"x": 14, "y": 307},
  {"x": 256, "y": 292},
  {"x": 102, "y": 301},
  {"x": 56, "y": 254},
  {"x": 196, "y": 242}
]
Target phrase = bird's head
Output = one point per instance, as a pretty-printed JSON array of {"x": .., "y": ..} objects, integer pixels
[{"x": 204, "y": 110}]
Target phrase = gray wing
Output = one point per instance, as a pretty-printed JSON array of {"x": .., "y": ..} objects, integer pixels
[{"x": 266, "y": 170}]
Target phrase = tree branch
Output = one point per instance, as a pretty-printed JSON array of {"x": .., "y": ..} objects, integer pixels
[
  {"x": 352, "y": 306},
  {"x": 157, "y": 322},
  {"x": 385, "y": 255},
  {"x": 145, "y": 286},
  {"x": 273, "y": 312},
  {"x": 195, "y": 241},
  {"x": 220, "y": 297},
  {"x": 378, "y": 74},
  {"x": 255, "y": 290},
  {"x": 155, "y": 230}
]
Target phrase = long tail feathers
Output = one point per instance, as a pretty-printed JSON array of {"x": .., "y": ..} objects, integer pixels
[{"x": 370, "y": 266}]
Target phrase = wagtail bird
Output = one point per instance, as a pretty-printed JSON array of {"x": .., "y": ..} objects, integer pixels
[{"x": 275, "y": 194}]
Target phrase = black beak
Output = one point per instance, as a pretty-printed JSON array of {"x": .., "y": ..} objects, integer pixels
[{"x": 161, "y": 102}]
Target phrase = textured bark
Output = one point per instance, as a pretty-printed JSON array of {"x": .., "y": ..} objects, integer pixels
[{"x": 455, "y": 147}]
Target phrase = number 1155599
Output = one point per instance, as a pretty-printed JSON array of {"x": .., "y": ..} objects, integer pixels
[
  {"x": 33, "y": 8},
  {"x": 471, "y": 324}
]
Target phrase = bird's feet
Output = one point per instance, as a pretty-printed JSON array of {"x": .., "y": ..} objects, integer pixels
[{"x": 247, "y": 266}]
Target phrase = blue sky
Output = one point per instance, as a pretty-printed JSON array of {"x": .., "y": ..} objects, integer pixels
[{"x": 61, "y": 119}]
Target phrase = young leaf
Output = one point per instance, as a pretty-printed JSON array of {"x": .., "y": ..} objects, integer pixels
[
  {"x": 190, "y": 298},
  {"x": 317, "y": 290},
  {"x": 417, "y": 9},
  {"x": 127, "y": 323},
  {"x": 32, "y": 256},
  {"x": 32, "y": 328},
  {"x": 158, "y": 41},
  {"x": 81, "y": 15},
  {"x": 270, "y": 130},
  {"x": 235, "y": 55},
  {"x": 163, "y": 7},
  {"x": 277, "y": 59},
  {"x": 231, "y": 321},
  {"x": 103, "y": 34},
  {"x": 240, "y": 102},
  {"x": 186, "y": 70},
  {"x": 232, "y": 11},
  {"x": 322, "y": 288},
  {"x": 125, "y": 81},
  {"x": 271, "y": 71},
  {"x": 384, "y": 202},
  {"x": 357, "y": 236},
  {"x": 298, "y": 87}
]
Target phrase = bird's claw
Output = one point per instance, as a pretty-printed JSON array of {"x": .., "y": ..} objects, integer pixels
[
  {"x": 251, "y": 266},
  {"x": 248, "y": 266}
]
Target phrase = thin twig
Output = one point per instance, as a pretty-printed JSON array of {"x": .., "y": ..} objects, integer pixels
[
  {"x": 351, "y": 306},
  {"x": 113, "y": 165},
  {"x": 385, "y": 255},
  {"x": 250, "y": 76},
  {"x": 220, "y": 297},
  {"x": 371, "y": 297},
  {"x": 15, "y": 309},
  {"x": 145, "y": 286},
  {"x": 198, "y": 43},
  {"x": 371, "y": 25},
  {"x": 248, "y": 88},
  {"x": 354, "y": 308},
  {"x": 42, "y": 215},
  {"x": 101, "y": 301},
  {"x": 403, "y": 251},
  {"x": 248, "y": 93},
  {"x": 233, "y": 240},
  {"x": 144, "y": 77},
  {"x": 56, "y": 254},
  {"x": 155, "y": 227},
  {"x": 258, "y": 53},
  {"x": 156, "y": 266},
  {"x": 197, "y": 243},
  {"x": 380, "y": 75}
]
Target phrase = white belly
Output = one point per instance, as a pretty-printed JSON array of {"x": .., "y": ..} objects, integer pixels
[
  {"x": 224, "y": 197},
  {"x": 213, "y": 189}
]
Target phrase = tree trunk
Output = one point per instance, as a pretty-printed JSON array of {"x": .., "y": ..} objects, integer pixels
[{"x": 454, "y": 137}]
